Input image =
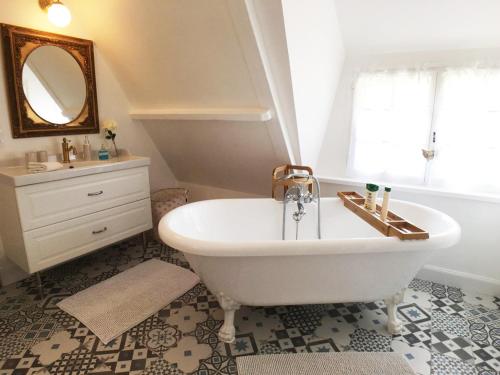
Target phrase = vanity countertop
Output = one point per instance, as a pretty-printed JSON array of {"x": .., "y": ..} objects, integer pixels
[{"x": 19, "y": 175}]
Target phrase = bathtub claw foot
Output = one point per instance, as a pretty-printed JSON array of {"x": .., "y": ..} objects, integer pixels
[
  {"x": 226, "y": 334},
  {"x": 394, "y": 325},
  {"x": 227, "y": 331}
]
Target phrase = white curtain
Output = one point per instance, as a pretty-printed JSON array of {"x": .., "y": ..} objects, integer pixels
[
  {"x": 392, "y": 116},
  {"x": 467, "y": 123}
]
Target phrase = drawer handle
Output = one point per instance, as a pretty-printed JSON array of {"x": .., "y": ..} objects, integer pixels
[
  {"x": 100, "y": 231},
  {"x": 95, "y": 193}
]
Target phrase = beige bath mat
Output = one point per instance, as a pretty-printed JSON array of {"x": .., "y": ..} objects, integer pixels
[
  {"x": 117, "y": 304},
  {"x": 346, "y": 363}
]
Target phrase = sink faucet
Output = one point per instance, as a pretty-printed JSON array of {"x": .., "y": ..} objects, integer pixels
[
  {"x": 66, "y": 148},
  {"x": 299, "y": 194}
]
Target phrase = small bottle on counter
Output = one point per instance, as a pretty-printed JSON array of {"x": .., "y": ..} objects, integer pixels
[
  {"x": 42, "y": 156},
  {"x": 371, "y": 197},
  {"x": 31, "y": 157},
  {"x": 103, "y": 153},
  {"x": 87, "y": 149},
  {"x": 385, "y": 204}
]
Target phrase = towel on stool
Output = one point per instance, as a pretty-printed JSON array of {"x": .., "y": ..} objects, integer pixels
[{"x": 34, "y": 167}]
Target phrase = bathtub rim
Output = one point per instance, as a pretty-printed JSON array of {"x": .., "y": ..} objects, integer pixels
[{"x": 355, "y": 245}]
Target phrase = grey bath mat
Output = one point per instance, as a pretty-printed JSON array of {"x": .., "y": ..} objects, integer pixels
[
  {"x": 346, "y": 363},
  {"x": 117, "y": 304}
]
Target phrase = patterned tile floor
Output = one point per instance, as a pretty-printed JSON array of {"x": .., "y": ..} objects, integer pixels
[{"x": 446, "y": 330}]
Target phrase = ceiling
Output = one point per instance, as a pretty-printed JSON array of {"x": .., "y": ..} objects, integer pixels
[{"x": 385, "y": 26}]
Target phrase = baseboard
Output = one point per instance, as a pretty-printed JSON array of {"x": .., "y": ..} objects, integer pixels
[
  {"x": 10, "y": 273},
  {"x": 463, "y": 280}
]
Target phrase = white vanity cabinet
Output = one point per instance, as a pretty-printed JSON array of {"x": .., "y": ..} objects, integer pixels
[{"x": 52, "y": 217}]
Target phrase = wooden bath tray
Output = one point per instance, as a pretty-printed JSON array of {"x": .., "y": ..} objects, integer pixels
[{"x": 394, "y": 226}]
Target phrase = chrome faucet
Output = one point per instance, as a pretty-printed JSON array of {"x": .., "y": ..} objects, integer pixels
[
  {"x": 297, "y": 215},
  {"x": 296, "y": 194},
  {"x": 300, "y": 195}
]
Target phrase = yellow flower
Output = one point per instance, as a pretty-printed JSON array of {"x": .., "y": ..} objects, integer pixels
[{"x": 110, "y": 125}]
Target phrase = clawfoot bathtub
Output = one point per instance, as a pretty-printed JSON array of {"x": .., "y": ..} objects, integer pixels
[{"x": 235, "y": 247}]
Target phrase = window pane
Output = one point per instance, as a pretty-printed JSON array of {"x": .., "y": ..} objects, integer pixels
[
  {"x": 467, "y": 121},
  {"x": 391, "y": 124}
]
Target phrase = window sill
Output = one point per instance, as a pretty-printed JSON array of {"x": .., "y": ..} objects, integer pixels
[{"x": 414, "y": 189}]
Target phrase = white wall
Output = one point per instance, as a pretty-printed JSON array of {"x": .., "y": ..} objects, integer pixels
[
  {"x": 478, "y": 254},
  {"x": 204, "y": 192},
  {"x": 316, "y": 55},
  {"x": 111, "y": 100},
  {"x": 237, "y": 156}
]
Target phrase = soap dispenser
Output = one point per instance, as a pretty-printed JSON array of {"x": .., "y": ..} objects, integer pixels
[{"x": 103, "y": 153}]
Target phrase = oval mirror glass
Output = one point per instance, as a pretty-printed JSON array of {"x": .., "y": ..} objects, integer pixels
[{"x": 54, "y": 84}]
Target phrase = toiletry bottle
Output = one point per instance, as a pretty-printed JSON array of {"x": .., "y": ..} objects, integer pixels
[
  {"x": 103, "y": 153},
  {"x": 385, "y": 204},
  {"x": 87, "y": 150},
  {"x": 371, "y": 197},
  {"x": 31, "y": 157},
  {"x": 42, "y": 156}
]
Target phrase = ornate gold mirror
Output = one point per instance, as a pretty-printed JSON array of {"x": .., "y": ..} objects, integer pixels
[{"x": 50, "y": 82}]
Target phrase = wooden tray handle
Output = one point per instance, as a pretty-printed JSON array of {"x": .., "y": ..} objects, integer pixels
[{"x": 286, "y": 169}]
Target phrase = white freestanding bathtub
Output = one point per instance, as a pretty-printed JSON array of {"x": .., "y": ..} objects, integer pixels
[{"x": 236, "y": 248}]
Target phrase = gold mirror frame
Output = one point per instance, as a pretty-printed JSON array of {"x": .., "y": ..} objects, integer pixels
[{"x": 18, "y": 43}]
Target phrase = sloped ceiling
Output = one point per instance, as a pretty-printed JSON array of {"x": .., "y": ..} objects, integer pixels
[
  {"x": 316, "y": 55},
  {"x": 171, "y": 52},
  {"x": 386, "y": 26},
  {"x": 192, "y": 54}
]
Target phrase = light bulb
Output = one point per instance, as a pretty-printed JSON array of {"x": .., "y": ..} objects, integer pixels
[{"x": 59, "y": 14}]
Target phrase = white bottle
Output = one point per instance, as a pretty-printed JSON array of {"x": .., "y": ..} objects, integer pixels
[
  {"x": 385, "y": 204},
  {"x": 371, "y": 197},
  {"x": 87, "y": 149}
]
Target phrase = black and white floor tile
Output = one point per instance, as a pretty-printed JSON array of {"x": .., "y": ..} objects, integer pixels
[{"x": 446, "y": 331}]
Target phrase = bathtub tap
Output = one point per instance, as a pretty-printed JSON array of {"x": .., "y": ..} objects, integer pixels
[
  {"x": 297, "y": 215},
  {"x": 296, "y": 194}
]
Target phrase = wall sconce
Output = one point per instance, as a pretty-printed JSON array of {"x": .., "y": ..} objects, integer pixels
[{"x": 57, "y": 12}]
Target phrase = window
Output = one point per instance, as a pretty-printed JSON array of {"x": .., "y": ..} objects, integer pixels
[
  {"x": 453, "y": 112},
  {"x": 42, "y": 98}
]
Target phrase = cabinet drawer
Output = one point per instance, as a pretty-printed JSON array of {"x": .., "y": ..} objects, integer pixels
[
  {"x": 52, "y": 202},
  {"x": 60, "y": 242}
]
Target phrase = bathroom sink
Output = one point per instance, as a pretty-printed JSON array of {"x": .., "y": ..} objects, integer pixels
[
  {"x": 20, "y": 176},
  {"x": 90, "y": 163}
]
